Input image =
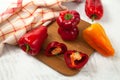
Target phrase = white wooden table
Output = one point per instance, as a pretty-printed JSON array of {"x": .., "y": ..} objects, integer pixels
[{"x": 17, "y": 65}]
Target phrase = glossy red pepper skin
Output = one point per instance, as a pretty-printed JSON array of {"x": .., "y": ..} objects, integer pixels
[
  {"x": 69, "y": 35},
  {"x": 32, "y": 41},
  {"x": 78, "y": 63},
  {"x": 54, "y": 45},
  {"x": 68, "y": 19},
  {"x": 94, "y": 9}
]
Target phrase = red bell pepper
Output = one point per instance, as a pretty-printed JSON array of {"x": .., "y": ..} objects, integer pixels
[
  {"x": 55, "y": 48},
  {"x": 68, "y": 34},
  {"x": 94, "y": 9},
  {"x": 75, "y": 59},
  {"x": 68, "y": 19},
  {"x": 32, "y": 41}
]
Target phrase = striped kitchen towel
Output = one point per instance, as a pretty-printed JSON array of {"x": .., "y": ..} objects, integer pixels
[{"x": 24, "y": 15}]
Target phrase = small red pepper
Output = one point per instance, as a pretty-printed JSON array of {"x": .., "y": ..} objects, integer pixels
[
  {"x": 68, "y": 19},
  {"x": 94, "y": 9},
  {"x": 71, "y": 34},
  {"x": 75, "y": 59},
  {"x": 32, "y": 41},
  {"x": 55, "y": 48}
]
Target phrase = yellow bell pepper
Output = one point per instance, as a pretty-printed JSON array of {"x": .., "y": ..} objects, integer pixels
[{"x": 96, "y": 37}]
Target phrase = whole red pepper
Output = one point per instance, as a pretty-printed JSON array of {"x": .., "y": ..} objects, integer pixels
[
  {"x": 68, "y": 19},
  {"x": 55, "y": 48},
  {"x": 71, "y": 34},
  {"x": 75, "y": 59},
  {"x": 32, "y": 41},
  {"x": 94, "y": 9}
]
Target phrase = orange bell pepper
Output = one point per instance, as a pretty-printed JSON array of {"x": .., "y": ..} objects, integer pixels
[{"x": 96, "y": 37}]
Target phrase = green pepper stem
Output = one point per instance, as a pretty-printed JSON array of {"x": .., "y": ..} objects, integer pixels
[
  {"x": 93, "y": 18},
  {"x": 68, "y": 16},
  {"x": 27, "y": 47}
]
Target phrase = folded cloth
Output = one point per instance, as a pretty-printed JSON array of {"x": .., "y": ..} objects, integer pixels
[{"x": 24, "y": 15}]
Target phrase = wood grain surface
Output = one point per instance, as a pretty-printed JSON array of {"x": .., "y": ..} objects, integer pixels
[{"x": 57, "y": 62}]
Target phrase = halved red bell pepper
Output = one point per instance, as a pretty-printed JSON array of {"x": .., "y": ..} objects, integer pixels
[
  {"x": 66, "y": 34},
  {"x": 75, "y": 59},
  {"x": 68, "y": 19},
  {"x": 55, "y": 48},
  {"x": 32, "y": 41}
]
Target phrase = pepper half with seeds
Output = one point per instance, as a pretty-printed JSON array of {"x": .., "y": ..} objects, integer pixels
[
  {"x": 55, "y": 48},
  {"x": 75, "y": 59}
]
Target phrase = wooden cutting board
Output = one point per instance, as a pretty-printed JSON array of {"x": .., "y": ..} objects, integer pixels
[{"x": 57, "y": 62}]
